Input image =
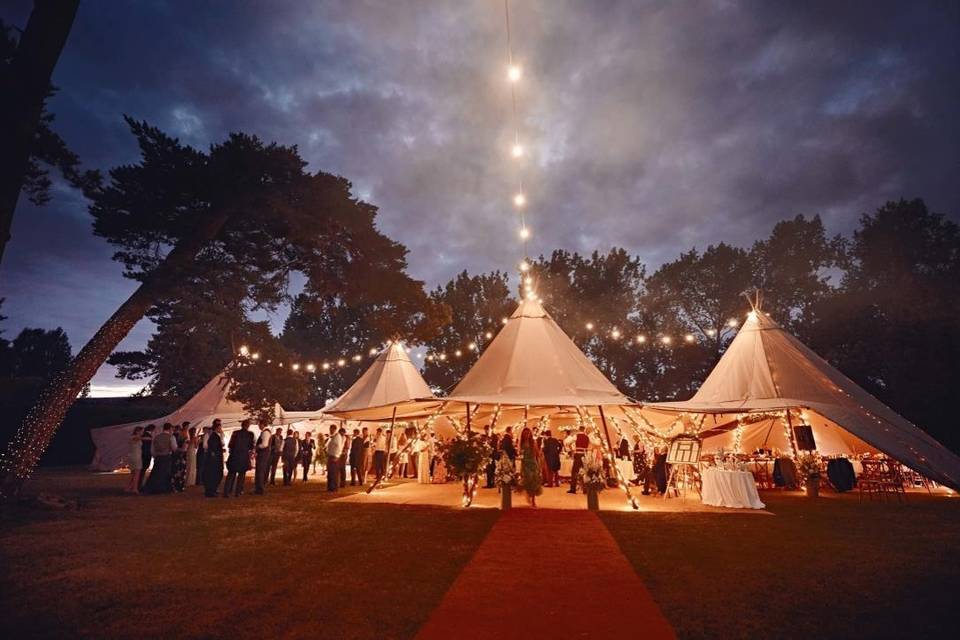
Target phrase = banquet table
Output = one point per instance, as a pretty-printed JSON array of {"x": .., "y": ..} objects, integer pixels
[{"x": 728, "y": 488}]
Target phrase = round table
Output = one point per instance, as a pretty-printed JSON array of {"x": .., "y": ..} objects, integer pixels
[{"x": 735, "y": 489}]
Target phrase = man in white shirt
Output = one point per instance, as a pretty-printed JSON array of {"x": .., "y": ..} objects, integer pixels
[
  {"x": 334, "y": 449},
  {"x": 263, "y": 458}
]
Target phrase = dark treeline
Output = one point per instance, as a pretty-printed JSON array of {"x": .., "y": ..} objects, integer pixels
[{"x": 881, "y": 305}]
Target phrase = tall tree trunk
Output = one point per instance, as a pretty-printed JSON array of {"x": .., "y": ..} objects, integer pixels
[
  {"x": 41, "y": 423},
  {"x": 23, "y": 86}
]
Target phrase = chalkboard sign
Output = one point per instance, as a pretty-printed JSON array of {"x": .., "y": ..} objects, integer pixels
[{"x": 684, "y": 450}]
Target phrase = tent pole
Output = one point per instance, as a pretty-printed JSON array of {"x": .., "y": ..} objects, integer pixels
[
  {"x": 468, "y": 419},
  {"x": 613, "y": 462},
  {"x": 793, "y": 440}
]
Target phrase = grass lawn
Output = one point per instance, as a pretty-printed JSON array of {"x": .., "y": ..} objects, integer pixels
[
  {"x": 295, "y": 564},
  {"x": 289, "y": 564},
  {"x": 833, "y": 568}
]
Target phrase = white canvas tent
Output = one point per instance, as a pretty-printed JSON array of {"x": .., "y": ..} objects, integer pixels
[
  {"x": 113, "y": 443},
  {"x": 391, "y": 379},
  {"x": 765, "y": 369},
  {"x": 530, "y": 371}
]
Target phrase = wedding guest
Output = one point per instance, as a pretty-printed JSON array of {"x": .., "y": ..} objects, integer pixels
[
  {"x": 178, "y": 459},
  {"x": 262, "y": 458},
  {"x": 366, "y": 458},
  {"x": 291, "y": 449},
  {"x": 641, "y": 470},
  {"x": 202, "y": 452},
  {"x": 581, "y": 442},
  {"x": 391, "y": 453},
  {"x": 660, "y": 469},
  {"x": 334, "y": 450},
  {"x": 241, "y": 446},
  {"x": 491, "y": 469},
  {"x": 213, "y": 460},
  {"x": 146, "y": 452},
  {"x": 344, "y": 455},
  {"x": 506, "y": 444},
  {"x": 624, "y": 451},
  {"x": 412, "y": 451},
  {"x": 307, "y": 448},
  {"x": 402, "y": 457},
  {"x": 551, "y": 458},
  {"x": 135, "y": 460},
  {"x": 379, "y": 454},
  {"x": 356, "y": 458},
  {"x": 424, "y": 456},
  {"x": 162, "y": 449},
  {"x": 192, "y": 444},
  {"x": 531, "y": 466},
  {"x": 276, "y": 452}
]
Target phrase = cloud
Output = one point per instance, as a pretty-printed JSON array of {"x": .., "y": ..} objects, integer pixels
[{"x": 653, "y": 126}]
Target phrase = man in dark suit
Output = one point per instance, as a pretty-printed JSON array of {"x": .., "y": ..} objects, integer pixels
[
  {"x": 241, "y": 447},
  {"x": 291, "y": 451},
  {"x": 213, "y": 460},
  {"x": 506, "y": 444},
  {"x": 356, "y": 458},
  {"x": 551, "y": 455}
]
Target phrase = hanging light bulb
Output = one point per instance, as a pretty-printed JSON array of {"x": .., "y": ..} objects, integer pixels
[
  {"x": 665, "y": 340},
  {"x": 310, "y": 367},
  {"x": 341, "y": 362},
  {"x": 524, "y": 233},
  {"x": 430, "y": 357},
  {"x": 514, "y": 72},
  {"x": 373, "y": 352},
  {"x": 458, "y": 353},
  {"x": 615, "y": 334},
  {"x": 524, "y": 266},
  {"x": 516, "y": 151},
  {"x": 295, "y": 367},
  {"x": 357, "y": 358},
  {"x": 503, "y": 320},
  {"x": 255, "y": 356},
  {"x": 689, "y": 337},
  {"x": 443, "y": 356},
  {"x": 244, "y": 350},
  {"x": 641, "y": 339},
  {"x": 711, "y": 332},
  {"x": 325, "y": 366},
  {"x": 488, "y": 335},
  {"x": 589, "y": 326},
  {"x": 732, "y": 323},
  {"x": 519, "y": 200}
]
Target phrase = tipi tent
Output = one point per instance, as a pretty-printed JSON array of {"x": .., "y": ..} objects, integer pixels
[
  {"x": 391, "y": 379},
  {"x": 765, "y": 369},
  {"x": 531, "y": 371},
  {"x": 113, "y": 443}
]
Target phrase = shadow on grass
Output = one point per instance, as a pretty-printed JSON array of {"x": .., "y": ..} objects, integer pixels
[
  {"x": 291, "y": 563},
  {"x": 834, "y": 568}
]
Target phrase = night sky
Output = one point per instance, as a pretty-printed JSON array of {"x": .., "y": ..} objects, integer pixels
[{"x": 652, "y": 126}]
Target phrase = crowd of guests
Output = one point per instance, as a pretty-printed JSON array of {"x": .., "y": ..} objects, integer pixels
[{"x": 181, "y": 457}]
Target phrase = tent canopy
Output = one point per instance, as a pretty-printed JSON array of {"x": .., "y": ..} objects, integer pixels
[
  {"x": 765, "y": 369},
  {"x": 211, "y": 401}
]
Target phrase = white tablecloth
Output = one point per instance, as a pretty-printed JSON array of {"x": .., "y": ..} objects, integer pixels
[{"x": 735, "y": 489}]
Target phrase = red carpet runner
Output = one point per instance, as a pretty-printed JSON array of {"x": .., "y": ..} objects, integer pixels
[{"x": 547, "y": 574}]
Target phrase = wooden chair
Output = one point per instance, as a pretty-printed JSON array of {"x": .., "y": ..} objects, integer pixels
[
  {"x": 761, "y": 474},
  {"x": 881, "y": 477}
]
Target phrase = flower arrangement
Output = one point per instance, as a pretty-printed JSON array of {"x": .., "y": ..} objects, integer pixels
[
  {"x": 809, "y": 465},
  {"x": 466, "y": 456},
  {"x": 505, "y": 475},
  {"x": 591, "y": 475}
]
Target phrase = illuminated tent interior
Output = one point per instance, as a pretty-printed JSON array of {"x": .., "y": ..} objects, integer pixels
[
  {"x": 531, "y": 373},
  {"x": 777, "y": 387}
]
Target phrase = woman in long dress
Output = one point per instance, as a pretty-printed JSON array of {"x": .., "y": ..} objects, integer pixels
[
  {"x": 425, "y": 453},
  {"x": 192, "y": 443},
  {"x": 135, "y": 460},
  {"x": 531, "y": 467}
]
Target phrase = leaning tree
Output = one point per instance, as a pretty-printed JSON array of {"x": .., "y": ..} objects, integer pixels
[{"x": 247, "y": 207}]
